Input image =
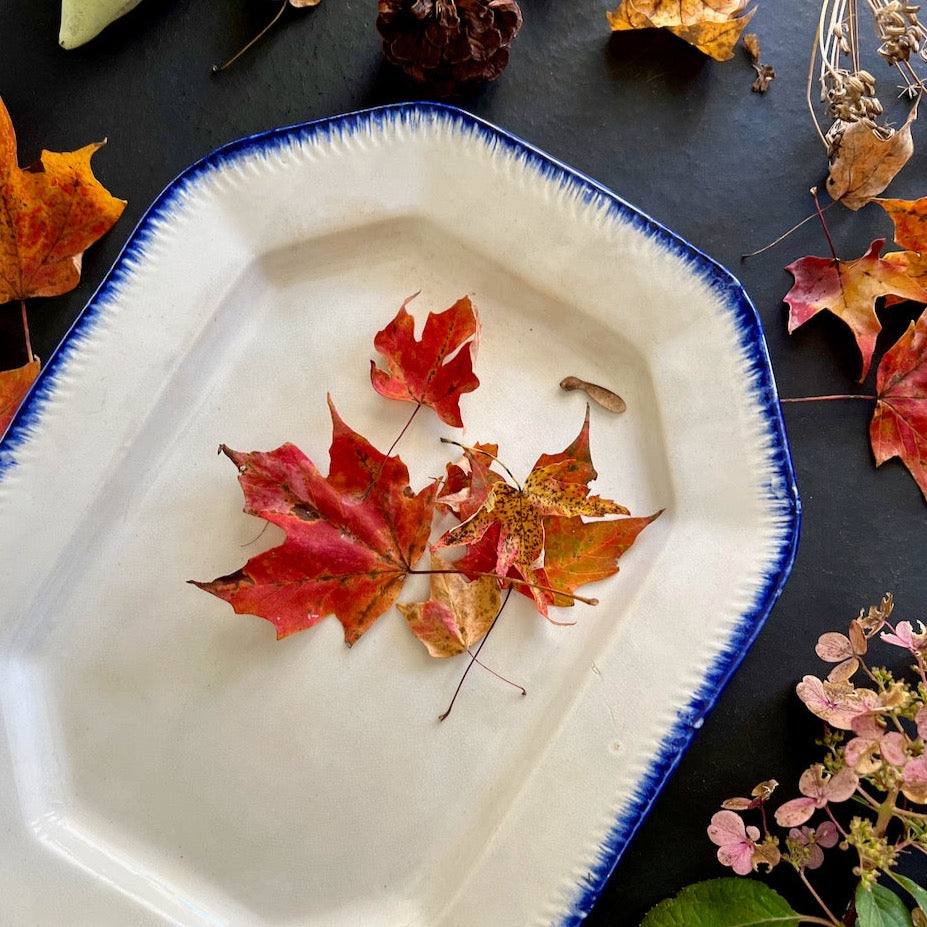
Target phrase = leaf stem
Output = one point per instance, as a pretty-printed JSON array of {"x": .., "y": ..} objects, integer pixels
[
  {"x": 30, "y": 355},
  {"x": 830, "y": 241},
  {"x": 512, "y": 581},
  {"x": 785, "y": 235},
  {"x": 216, "y": 68},
  {"x": 477, "y": 450},
  {"x": 405, "y": 428},
  {"x": 473, "y": 657},
  {"x": 829, "y": 398},
  {"x": 392, "y": 447},
  {"x": 498, "y": 676}
]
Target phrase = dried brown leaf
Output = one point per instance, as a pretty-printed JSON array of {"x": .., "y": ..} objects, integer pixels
[
  {"x": 752, "y": 44},
  {"x": 862, "y": 164}
]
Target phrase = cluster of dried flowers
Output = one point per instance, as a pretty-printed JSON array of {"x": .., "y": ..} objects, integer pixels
[
  {"x": 875, "y": 756},
  {"x": 864, "y": 150}
]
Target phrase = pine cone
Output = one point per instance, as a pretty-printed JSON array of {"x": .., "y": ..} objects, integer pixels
[{"x": 448, "y": 44}]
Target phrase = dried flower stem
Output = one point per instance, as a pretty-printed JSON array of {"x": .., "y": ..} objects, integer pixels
[{"x": 814, "y": 51}]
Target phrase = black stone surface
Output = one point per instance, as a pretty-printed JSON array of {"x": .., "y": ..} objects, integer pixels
[{"x": 680, "y": 136}]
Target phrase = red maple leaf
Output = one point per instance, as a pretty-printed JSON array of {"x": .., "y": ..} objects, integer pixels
[
  {"x": 352, "y": 536},
  {"x": 428, "y": 372},
  {"x": 899, "y": 424},
  {"x": 849, "y": 290}
]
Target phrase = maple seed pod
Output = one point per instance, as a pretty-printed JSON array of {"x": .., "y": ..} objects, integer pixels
[{"x": 448, "y": 44}]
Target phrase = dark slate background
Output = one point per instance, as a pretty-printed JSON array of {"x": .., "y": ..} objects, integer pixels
[{"x": 681, "y": 137}]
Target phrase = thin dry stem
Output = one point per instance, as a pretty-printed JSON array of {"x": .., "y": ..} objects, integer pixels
[
  {"x": 514, "y": 582},
  {"x": 216, "y": 68},
  {"x": 29, "y": 354},
  {"x": 478, "y": 450},
  {"x": 829, "y": 398},
  {"x": 473, "y": 657},
  {"x": 785, "y": 235}
]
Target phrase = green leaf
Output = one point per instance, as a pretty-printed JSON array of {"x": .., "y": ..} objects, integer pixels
[
  {"x": 878, "y": 906},
  {"x": 916, "y": 892},
  {"x": 724, "y": 903}
]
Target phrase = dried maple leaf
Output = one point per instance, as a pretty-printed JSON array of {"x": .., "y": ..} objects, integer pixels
[
  {"x": 899, "y": 424},
  {"x": 50, "y": 214},
  {"x": 14, "y": 384},
  {"x": 352, "y": 536},
  {"x": 849, "y": 290},
  {"x": 712, "y": 26},
  {"x": 511, "y": 522},
  {"x": 862, "y": 163},
  {"x": 429, "y": 372},
  {"x": 458, "y": 613}
]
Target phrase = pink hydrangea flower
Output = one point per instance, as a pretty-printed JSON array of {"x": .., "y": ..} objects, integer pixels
[
  {"x": 817, "y": 789},
  {"x": 905, "y": 636},
  {"x": 736, "y": 842},
  {"x": 838, "y": 703},
  {"x": 824, "y": 835},
  {"x": 920, "y": 721},
  {"x": 914, "y": 780},
  {"x": 873, "y": 745},
  {"x": 844, "y": 650}
]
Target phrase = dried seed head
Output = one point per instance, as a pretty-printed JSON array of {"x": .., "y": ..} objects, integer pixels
[
  {"x": 850, "y": 96},
  {"x": 898, "y": 29}
]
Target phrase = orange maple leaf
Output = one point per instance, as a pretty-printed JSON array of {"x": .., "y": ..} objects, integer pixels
[
  {"x": 50, "y": 213},
  {"x": 849, "y": 290},
  {"x": 14, "y": 384},
  {"x": 910, "y": 220},
  {"x": 712, "y": 26}
]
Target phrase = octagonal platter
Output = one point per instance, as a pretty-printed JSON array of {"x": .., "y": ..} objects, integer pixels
[{"x": 164, "y": 761}]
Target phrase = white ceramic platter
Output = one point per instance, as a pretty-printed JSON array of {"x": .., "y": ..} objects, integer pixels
[{"x": 164, "y": 761}]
